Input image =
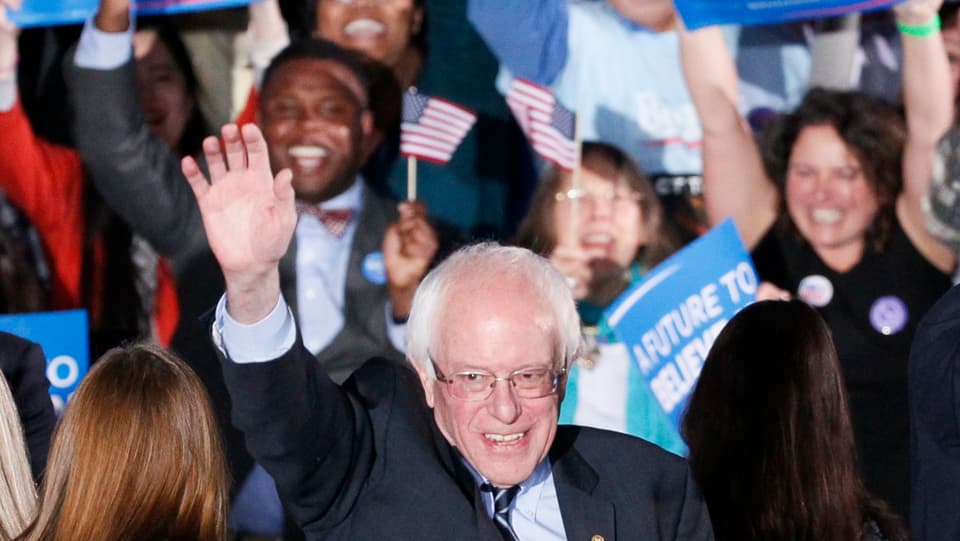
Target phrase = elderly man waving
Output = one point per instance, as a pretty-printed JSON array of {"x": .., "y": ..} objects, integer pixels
[{"x": 464, "y": 446}]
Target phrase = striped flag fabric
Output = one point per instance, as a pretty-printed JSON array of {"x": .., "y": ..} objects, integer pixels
[
  {"x": 548, "y": 125},
  {"x": 432, "y": 128}
]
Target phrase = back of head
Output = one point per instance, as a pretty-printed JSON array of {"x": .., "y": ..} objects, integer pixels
[
  {"x": 18, "y": 498},
  {"x": 136, "y": 456},
  {"x": 769, "y": 432}
]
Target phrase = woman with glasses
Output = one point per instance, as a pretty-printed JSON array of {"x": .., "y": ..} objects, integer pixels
[{"x": 603, "y": 234}]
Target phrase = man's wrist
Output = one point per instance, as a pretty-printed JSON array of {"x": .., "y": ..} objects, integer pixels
[
  {"x": 401, "y": 300},
  {"x": 250, "y": 297}
]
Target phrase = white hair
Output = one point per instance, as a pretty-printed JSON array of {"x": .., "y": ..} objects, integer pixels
[
  {"x": 18, "y": 496},
  {"x": 493, "y": 260}
]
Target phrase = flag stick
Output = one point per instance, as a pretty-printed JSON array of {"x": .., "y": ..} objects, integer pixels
[
  {"x": 411, "y": 178},
  {"x": 575, "y": 179}
]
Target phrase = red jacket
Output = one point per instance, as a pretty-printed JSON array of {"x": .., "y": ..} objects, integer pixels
[{"x": 47, "y": 182}]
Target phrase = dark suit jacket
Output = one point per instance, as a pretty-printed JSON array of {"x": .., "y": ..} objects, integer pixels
[
  {"x": 934, "y": 381},
  {"x": 24, "y": 367},
  {"x": 366, "y": 461}
]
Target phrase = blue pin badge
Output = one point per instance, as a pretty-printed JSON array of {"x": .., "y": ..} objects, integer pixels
[{"x": 373, "y": 268}]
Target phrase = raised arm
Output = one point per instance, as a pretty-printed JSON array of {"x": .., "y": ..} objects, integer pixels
[
  {"x": 734, "y": 181},
  {"x": 137, "y": 174},
  {"x": 248, "y": 216},
  {"x": 928, "y": 99},
  {"x": 42, "y": 179},
  {"x": 313, "y": 440}
]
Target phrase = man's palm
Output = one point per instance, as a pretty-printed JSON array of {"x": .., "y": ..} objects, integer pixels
[{"x": 249, "y": 216}]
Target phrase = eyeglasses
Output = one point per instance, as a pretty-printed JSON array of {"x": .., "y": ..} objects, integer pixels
[
  {"x": 477, "y": 385},
  {"x": 613, "y": 197}
]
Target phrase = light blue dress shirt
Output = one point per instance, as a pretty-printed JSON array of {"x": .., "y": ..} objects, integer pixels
[{"x": 322, "y": 261}]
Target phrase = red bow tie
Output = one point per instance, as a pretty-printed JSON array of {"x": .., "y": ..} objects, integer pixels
[{"x": 334, "y": 220}]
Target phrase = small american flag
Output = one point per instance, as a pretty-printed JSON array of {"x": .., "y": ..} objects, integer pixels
[
  {"x": 548, "y": 125},
  {"x": 432, "y": 128}
]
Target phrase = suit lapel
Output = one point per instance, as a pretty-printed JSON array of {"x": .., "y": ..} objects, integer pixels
[
  {"x": 585, "y": 514},
  {"x": 288, "y": 276},
  {"x": 452, "y": 461},
  {"x": 372, "y": 222}
]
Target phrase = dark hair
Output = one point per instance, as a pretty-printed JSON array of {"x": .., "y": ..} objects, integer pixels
[
  {"x": 318, "y": 49},
  {"x": 872, "y": 129},
  {"x": 948, "y": 14},
  {"x": 536, "y": 231},
  {"x": 20, "y": 281},
  {"x": 196, "y": 128},
  {"x": 769, "y": 432},
  {"x": 137, "y": 455}
]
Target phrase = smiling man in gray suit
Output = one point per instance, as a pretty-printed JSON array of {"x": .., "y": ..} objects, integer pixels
[{"x": 463, "y": 446}]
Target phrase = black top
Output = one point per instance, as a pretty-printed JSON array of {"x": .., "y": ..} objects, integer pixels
[
  {"x": 24, "y": 367},
  {"x": 873, "y": 311},
  {"x": 935, "y": 423}
]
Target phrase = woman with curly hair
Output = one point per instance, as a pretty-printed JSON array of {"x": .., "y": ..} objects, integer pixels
[{"x": 832, "y": 211}]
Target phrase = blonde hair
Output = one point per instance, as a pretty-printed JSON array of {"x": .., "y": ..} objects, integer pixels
[
  {"x": 18, "y": 495},
  {"x": 137, "y": 455}
]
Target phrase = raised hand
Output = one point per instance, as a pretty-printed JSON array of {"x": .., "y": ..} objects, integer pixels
[
  {"x": 409, "y": 245},
  {"x": 574, "y": 263},
  {"x": 113, "y": 15},
  {"x": 249, "y": 217}
]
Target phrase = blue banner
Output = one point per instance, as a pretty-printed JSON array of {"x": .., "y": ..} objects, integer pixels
[
  {"x": 700, "y": 13},
  {"x": 57, "y": 12},
  {"x": 63, "y": 336},
  {"x": 670, "y": 319}
]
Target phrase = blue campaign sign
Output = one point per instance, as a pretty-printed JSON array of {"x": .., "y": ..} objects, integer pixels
[
  {"x": 63, "y": 336},
  {"x": 670, "y": 319},
  {"x": 56, "y": 12},
  {"x": 700, "y": 13}
]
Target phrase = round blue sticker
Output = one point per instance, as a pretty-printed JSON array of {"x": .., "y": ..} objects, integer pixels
[
  {"x": 888, "y": 315},
  {"x": 373, "y": 268}
]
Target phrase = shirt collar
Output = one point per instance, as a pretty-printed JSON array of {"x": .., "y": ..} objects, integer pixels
[
  {"x": 351, "y": 198},
  {"x": 539, "y": 475}
]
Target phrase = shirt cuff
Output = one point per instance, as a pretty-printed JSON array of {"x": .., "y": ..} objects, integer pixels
[
  {"x": 396, "y": 332},
  {"x": 101, "y": 50},
  {"x": 263, "y": 341}
]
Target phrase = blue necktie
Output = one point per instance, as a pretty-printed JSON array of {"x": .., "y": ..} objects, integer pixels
[{"x": 502, "y": 498}]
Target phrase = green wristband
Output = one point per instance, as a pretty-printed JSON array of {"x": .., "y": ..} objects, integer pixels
[{"x": 921, "y": 30}]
